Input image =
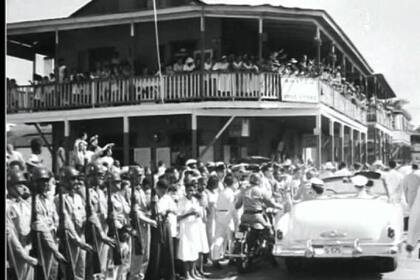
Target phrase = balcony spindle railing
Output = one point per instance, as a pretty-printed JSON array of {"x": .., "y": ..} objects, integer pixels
[{"x": 181, "y": 87}]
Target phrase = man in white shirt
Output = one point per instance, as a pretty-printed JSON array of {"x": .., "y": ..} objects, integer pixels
[
  {"x": 12, "y": 155},
  {"x": 34, "y": 158},
  {"x": 222, "y": 65},
  {"x": 393, "y": 180},
  {"x": 410, "y": 186}
]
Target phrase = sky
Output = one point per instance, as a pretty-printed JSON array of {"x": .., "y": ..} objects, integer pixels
[{"x": 386, "y": 32}]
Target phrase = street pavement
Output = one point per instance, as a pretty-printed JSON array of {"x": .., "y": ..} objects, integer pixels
[{"x": 408, "y": 269}]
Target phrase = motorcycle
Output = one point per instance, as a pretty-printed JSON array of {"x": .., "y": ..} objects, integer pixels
[{"x": 252, "y": 244}]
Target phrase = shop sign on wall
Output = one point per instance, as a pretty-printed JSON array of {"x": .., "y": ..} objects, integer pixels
[{"x": 304, "y": 90}]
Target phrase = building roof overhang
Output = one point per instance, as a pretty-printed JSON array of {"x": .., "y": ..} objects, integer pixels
[
  {"x": 384, "y": 91},
  {"x": 320, "y": 18}
]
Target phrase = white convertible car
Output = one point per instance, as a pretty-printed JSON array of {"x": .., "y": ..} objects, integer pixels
[{"x": 342, "y": 225}]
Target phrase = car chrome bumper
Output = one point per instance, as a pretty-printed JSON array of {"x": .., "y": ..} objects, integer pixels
[{"x": 346, "y": 249}]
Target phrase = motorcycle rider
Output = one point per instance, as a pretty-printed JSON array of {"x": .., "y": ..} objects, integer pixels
[{"x": 254, "y": 199}]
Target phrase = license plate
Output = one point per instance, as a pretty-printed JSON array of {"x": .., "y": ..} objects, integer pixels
[
  {"x": 333, "y": 250},
  {"x": 239, "y": 235}
]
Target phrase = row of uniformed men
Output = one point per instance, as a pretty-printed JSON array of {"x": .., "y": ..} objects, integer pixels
[{"x": 79, "y": 230}]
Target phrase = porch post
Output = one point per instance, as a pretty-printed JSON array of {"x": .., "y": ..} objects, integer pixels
[
  {"x": 203, "y": 42},
  {"x": 56, "y": 72},
  {"x": 359, "y": 140},
  {"x": 343, "y": 66},
  {"x": 67, "y": 140},
  {"x": 318, "y": 44},
  {"x": 366, "y": 148},
  {"x": 126, "y": 140},
  {"x": 334, "y": 56},
  {"x": 342, "y": 158},
  {"x": 260, "y": 38},
  {"x": 194, "y": 135},
  {"x": 131, "y": 94},
  {"x": 318, "y": 130},
  {"x": 332, "y": 140},
  {"x": 351, "y": 146}
]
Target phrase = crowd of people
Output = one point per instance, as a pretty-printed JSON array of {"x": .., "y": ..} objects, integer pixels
[{"x": 155, "y": 223}]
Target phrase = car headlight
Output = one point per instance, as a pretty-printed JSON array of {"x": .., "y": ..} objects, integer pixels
[
  {"x": 279, "y": 234},
  {"x": 391, "y": 232}
]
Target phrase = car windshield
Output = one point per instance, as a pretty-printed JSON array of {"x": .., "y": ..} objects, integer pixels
[{"x": 343, "y": 185}]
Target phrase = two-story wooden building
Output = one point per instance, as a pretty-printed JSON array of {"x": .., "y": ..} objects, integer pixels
[{"x": 211, "y": 115}]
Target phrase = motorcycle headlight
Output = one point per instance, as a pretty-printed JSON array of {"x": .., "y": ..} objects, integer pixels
[{"x": 279, "y": 234}]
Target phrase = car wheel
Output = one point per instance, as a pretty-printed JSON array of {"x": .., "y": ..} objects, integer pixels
[
  {"x": 387, "y": 264},
  {"x": 294, "y": 265}
]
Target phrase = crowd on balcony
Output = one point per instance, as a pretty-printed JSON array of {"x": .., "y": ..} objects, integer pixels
[{"x": 277, "y": 62}]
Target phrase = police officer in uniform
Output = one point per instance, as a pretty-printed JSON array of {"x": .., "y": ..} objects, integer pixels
[
  {"x": 98, "y": 202},
  {"x": 75, "y": 212},
  {"x": 120, "y": 214},
  {"x": 139, "y": 262},
  {"x": 46, "y": 221},
  {"x": 18, "y": 225},
  {"x": 254, "y": 199}
]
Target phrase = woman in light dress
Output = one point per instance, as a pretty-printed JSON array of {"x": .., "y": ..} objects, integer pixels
[
  {"x": 189, "y": 214},
  {"x": 210, "y": 196}
]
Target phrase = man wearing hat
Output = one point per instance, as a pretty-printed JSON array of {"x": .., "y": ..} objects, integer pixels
[
  {"x": 45, "y": 220},
  {"x": 254, "y": 200},
  {"x": 18, "y": 217},
  {"x": 317, "y": 185},
  {"x": 360, "y": 183},
  {"x": 222, "y": 64},
  {"x": 189, "y": 65},
  {"x": 239, "y": 174},
  {"x": 95, "y": 177},
  {"x": 75, "y": 211},
  {"x": 120, "y": 215},
  {"x": 139, "y": 260}
]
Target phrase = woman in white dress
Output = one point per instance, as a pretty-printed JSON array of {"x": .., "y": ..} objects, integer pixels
[
  {"x": 189, "y": 246},
  {"x": 210, "y": 196}
]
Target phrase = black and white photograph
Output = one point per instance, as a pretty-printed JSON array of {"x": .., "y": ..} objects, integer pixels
[{"x": 212, "y": 139}]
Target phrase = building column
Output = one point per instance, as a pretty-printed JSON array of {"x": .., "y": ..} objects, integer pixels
[
  {"x": 260, "y": 38},
  {"x": 132, "y": 58},
  {"x": 194, "y": 147},
  {"x": 66, "y": 139},
  {"x": 351, "y": 146},
  {"x": 318, "y": 130},
  {"x": 126, "y": 140},
  {"x": 342, "y": 158},
  {"x": 332, "y": 140},
  {"x": 318, "y": 44},
  {"x": 202, "y": 46},
  {"x": 56, "y": 73},
  {"x": 360, "y": 150},
  {"x": 366, "y": 147}
]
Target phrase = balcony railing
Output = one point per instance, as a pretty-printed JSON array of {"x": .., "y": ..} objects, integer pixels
[
  {"x": 380, "y": 116},
  {"x": 179, "y": 88}
]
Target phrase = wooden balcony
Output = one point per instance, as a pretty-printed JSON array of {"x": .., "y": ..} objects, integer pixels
[
  {"x": 180, "y": 88},
  {"x": 381, "y": 117}
]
